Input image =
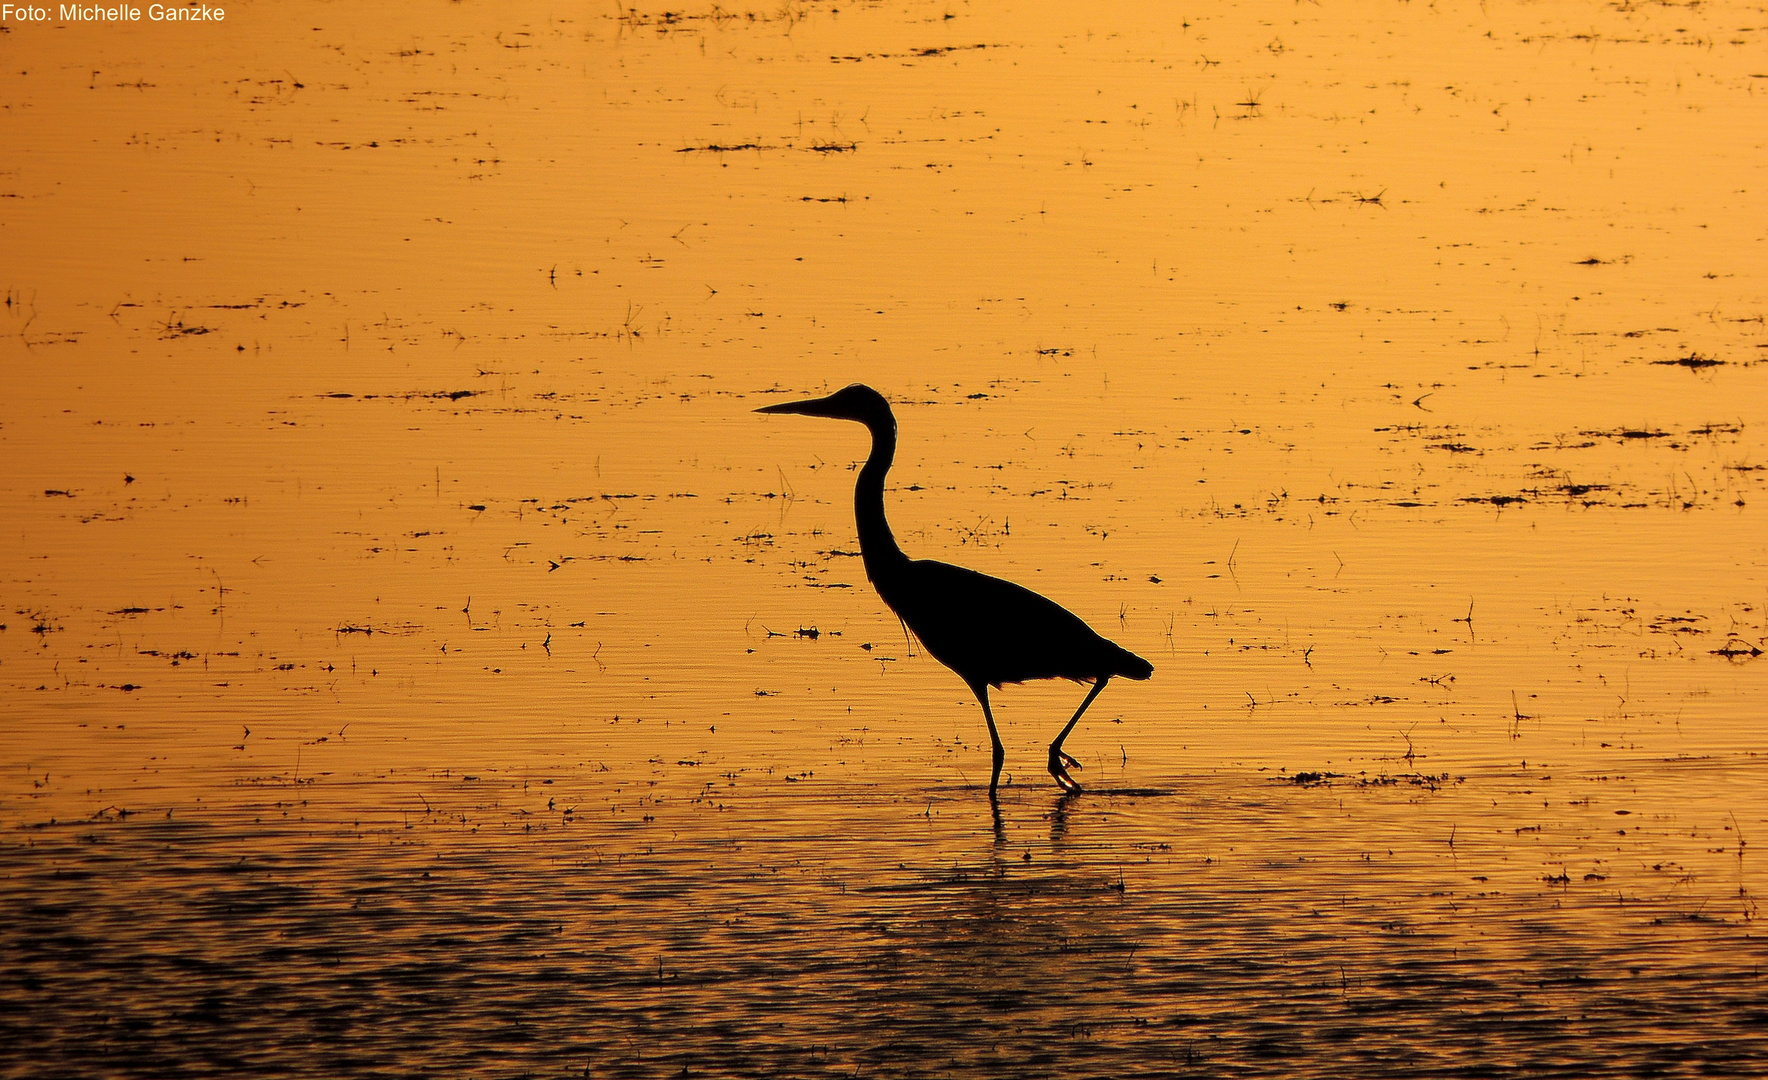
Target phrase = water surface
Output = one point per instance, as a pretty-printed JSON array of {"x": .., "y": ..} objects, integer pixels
[{"x": 408, "y": 661}]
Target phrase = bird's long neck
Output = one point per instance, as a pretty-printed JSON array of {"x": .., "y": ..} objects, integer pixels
[{"x": 883, "y": 558}]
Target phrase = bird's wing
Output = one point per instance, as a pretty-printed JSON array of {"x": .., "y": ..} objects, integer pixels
[{"x": 990, "y": 630}]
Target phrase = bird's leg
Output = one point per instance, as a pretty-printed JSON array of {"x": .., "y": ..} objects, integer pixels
[
  {"x": 1000, "y": 752},
  {"x": 1059, "y": 762}
]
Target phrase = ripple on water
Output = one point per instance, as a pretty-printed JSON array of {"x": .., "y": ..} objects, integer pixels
[{"x": 1239, "y": 925}]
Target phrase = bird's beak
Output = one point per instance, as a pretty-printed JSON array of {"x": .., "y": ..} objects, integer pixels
[{"x": 813, "y": 407}]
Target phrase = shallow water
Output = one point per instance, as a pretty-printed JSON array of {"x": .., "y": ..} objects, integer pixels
[{"x": 408, "y": 661}]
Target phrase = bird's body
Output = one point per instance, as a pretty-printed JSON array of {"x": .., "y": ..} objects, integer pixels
[
  {"x": 993, "y": 631},
  {"x": 987, "y": 630}
]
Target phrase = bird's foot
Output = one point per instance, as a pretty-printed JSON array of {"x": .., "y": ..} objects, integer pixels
[
  {"x": 1068, "y": 761},
  {"x": 1067, "y": 783}
]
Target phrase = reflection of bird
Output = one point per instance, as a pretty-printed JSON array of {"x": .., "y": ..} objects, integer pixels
[{"x": 987, "y": 630}]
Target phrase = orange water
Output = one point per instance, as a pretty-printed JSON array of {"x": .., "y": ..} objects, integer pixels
[{"x": 383, "y": 483}]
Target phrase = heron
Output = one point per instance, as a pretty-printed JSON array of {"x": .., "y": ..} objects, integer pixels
[{"x": 986, "y": 630}]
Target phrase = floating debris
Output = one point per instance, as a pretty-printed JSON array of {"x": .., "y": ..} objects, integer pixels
[
  {"x": 723, "y": 148},
  {"x": 1692, "y": 361}
]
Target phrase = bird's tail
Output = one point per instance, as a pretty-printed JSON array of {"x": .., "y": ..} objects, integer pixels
[{"x": 1129, "y": 665}]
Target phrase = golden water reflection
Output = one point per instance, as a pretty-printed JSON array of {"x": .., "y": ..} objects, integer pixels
[{"x": 383, "y": 492}]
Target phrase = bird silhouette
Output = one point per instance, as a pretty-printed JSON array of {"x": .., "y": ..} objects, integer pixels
[{"x": 987, "y": 630}]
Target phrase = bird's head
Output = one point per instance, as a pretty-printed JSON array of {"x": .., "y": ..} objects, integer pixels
[{"x": 857, "y": 402}]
